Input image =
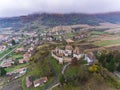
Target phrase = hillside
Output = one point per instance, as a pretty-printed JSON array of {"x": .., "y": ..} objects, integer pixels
[
  {"x": 60, "y": 19},
  {"x": 78, "y": 75}
]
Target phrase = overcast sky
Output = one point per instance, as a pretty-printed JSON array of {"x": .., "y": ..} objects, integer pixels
[{"x": 9, "y": 8}]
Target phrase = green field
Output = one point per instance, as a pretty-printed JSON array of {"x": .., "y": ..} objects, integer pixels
[
  {"x": 0, "y": 61},
  {"x": 70, "y": 35},
  {"x": 97, "y": 33},
  {"x": 107, "y": 42},
  {"x": 4, "y": 52},
  {"x": 58, "y": 67}
]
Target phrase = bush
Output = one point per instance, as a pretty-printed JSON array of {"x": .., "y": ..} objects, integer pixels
[{"x": 93, "y": 68}]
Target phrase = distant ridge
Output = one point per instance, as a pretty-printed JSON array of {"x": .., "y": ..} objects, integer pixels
[{"x": 56, "y": 19}]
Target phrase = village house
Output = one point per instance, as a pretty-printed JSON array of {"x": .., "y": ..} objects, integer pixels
[
  {"x": 82, "y": 36},
  {"x": 69, "y": 41},
  {"x": 17, "y": 73},
  {"x": 28, "y": 82},
  {"x": 7, "y": 63},
  {"x": 68, "y": 50},
  {"x": 90, "y": 58},
  {"x": 76, "y": 53},
  {"x": 9, "y": 44},
  {"x": 30, "y": 49},
  {"x": 26, "y": 58},
  {"x": 43, "y": 34},
  {"x": 40, "y": 81},
  {"x": 19, "y": 50},
  {"x": 21, "y": 70},
  {"x": 2, "y": 48},
  {"x": 48, "y": 38}
]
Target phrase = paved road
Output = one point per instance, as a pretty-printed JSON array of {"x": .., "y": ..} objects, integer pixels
[
  {"x": 117, "y": 74},
  {"x": 58, "y": 83},
  {"x": 54, "y": 86},
  {"x": 65, "y": 67}
]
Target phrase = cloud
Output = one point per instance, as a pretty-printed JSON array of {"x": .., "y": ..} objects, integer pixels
[{"x": 10, "y": 8}]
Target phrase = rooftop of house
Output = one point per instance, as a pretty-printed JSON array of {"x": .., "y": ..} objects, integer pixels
[
  {"x": 28, "y": 81},
  {"x": 76, "y": 50},
  {"x": 69, "y": 41},
  {"x": 41, "y": 80},
  {"x": 21, "y": 69},
  {"x": 19, "y": 49},
  {"x": 6, "y": 65},
  {"x": 91, "y": 55},
  {"x": 68, "y": 47}
]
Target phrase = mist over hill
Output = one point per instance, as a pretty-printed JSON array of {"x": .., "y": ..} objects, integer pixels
[{"x": 60, "y": 19}]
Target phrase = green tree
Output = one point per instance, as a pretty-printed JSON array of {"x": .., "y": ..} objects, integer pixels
[
  {"x": 13, "y": 42},
  {"x": 74, "y": 61},
  {"x": 111, "y": 66},
  {"x": 62, "y": 79},
  {"x": 118, "y": 68},
  {"x": 2, "y": 71}
]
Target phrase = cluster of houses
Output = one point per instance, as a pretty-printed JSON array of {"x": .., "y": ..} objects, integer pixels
[
  {"x": 68, "y": 53},
  {"x": 26, "y": 57},
  {"x": 17, "y": 73},
  {"x": 38, "y": 82},
  {"x": 26, "y": 50},
  {"x": 51, "y": 36},
  {"x": 82, "y": 36},
  {"x": 6, "y": 41}
]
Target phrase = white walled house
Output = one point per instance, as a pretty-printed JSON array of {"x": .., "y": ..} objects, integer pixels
[
  {"x": 90, "y": 58},
  {"x": 68, "y": 49},
  {"x": 66, "y": 54},
  {"x": 89, "y": 61},
  {"x": 77, "y": 56},
  {"x": 77, "y": 53}
]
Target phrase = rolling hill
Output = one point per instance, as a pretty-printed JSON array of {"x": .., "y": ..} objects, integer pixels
[{"x": 60, "y": 19}]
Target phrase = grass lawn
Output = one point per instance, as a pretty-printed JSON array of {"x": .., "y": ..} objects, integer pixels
[
  {"x": 14, "y": 67},
  {"x": 97, "y": 33},
  {"x": 0, "y": 61},
  {"x": 70, "y": 87},
  {"x": 58, "y": 67},
  {"x": 70, "y": 35},
  {"x": 56, "y": 36},
  {"x": 17, "y": 56},
  {"x": 41, "y": 46},
  {"x": 107, "y": 42}
]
